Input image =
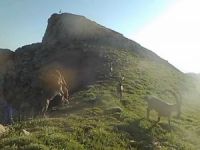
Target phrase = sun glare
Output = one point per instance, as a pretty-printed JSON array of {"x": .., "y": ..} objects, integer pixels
[{"x": 175, "y": 35}]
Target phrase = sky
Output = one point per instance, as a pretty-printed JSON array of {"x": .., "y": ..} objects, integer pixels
[
  {"x": 175, "y": 35},
  {"x": 167, "y": 27}
]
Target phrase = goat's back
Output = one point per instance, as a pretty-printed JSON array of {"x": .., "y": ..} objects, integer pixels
[{"x": 161, "y": 107}]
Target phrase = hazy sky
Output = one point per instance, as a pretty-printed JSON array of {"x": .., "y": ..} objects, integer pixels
[
  {"x": 175, "y": 35},
  {"x": 168, "y": 27}
]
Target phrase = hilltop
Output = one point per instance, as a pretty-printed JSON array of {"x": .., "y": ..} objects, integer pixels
[{"x": 85, "y": 51}]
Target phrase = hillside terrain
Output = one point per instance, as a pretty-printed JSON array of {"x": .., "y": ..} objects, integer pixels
[{"x": 93, "y": 59}]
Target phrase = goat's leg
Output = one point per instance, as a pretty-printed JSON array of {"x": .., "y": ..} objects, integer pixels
[
  {"x": 169, "y": 121},
  {"x": 45, "y": 108},
  {"x": 64, "y": 100},
  {"x": 120, "y": 95},
  {"x": 148, "y": 111},
  {"x": 158, "y": 119},
  {"x": 67, "y": 100}
]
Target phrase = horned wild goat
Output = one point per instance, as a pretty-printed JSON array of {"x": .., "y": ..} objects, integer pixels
[
  {"x": 162, "y": 108},
  {"x": 57, "y": 96}
]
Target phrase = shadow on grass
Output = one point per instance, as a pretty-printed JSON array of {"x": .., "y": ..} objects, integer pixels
[
  {"x": 74, "y": 106},
  {"x": 139, "y": 131},
  {"x": 165, "y": 127},
  {"x": 142, "y": 132}
]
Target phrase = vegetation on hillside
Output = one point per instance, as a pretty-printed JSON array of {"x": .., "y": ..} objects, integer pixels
[{"x": 97, "y": 119}]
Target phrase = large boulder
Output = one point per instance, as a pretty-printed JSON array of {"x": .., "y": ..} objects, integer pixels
[{"x": 67, "y": 27}]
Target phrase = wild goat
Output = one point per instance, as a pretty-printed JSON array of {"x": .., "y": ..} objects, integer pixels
[
  {"x": 120, "y": 87},
  {"x": 53, "y": 98},
  {"x": 162, "y": 108}
]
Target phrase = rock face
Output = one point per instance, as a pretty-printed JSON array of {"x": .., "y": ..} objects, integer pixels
[
  {"x": 66, "y": 27},
  {"x": 6, "y": 65},
  {"x": 76, "y": 46}
]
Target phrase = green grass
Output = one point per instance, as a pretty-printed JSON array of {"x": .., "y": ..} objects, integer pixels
[{"x": 97, "y": 119}]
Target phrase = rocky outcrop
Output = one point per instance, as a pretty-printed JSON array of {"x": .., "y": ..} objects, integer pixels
[
  {"x": 6, "y": 65},
  {"x": 65, "y": 29},
  {"x": 69, "y": 27},
  {"x": 6, "y": 60}
]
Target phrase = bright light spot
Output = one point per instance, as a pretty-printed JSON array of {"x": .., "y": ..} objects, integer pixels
[{"x": 175, "y": 35}]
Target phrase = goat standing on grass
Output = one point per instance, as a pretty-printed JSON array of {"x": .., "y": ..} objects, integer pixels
[
  {"x": 162, "y": 108},
  {"x": 120, "y": 87}
]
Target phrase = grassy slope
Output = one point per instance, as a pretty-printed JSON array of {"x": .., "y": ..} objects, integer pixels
[{"x": 93, "y": 119}]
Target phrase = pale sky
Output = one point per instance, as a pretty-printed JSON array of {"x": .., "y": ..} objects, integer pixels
[
  {"x": 170, "y": 28},
  {"x": 175, "y": 35}
]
